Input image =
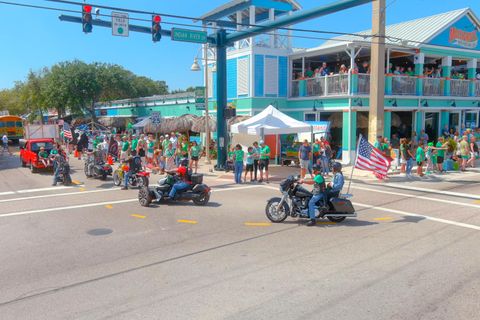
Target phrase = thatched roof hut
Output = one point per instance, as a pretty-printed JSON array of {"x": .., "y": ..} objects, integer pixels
[
  {"x": 182, "y": 124},
  {"x": 200, "y": 123}
]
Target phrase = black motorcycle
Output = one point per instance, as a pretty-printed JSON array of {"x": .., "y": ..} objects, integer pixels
[
  {"x": 294, "y": 203},
  {"x": 99, "y": 170},
  {"x": 64, "y": 174},
  {"x": 198, "y": 192}
]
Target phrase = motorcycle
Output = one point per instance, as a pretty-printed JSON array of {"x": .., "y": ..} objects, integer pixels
[
  {"x": 137, "y": 179},
  {"x": 294, "y": 203},
  {"x": 198, "y": 192},
  {"x": 64, "y": 175},
  {"x": 100, "y": 170}
]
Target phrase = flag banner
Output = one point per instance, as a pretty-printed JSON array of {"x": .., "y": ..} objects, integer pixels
[
  {"x": 67, "y": 132},
  {"x": 371, "y": 159}
]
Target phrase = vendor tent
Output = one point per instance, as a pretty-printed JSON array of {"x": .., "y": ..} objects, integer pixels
[{"x": 270, "y": 122}]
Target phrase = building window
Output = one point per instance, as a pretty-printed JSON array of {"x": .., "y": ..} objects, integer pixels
[
  {"x": 242, "y": 76},
  {"x": 310, "y": 117}
]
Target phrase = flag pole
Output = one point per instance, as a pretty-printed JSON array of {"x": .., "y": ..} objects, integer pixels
[{"x": 354, "y": 163}]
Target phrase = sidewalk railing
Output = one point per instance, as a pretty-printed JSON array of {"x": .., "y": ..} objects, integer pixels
[
  {"x": 459, "y": 88},
  {"x": 403, "y": 85},
  {"x": 433, "y": 86}
]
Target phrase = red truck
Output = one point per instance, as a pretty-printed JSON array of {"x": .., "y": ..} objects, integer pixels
[{"x": 36, "y": 137}]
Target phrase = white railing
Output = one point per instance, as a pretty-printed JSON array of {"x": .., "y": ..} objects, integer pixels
[
  {"x": 337, "y": 84},
  {"x": 295, "y": 88},
  {"x": 433, "y": 87},
  {"x": 316, "y": 86},
  {"x": 477, "y": 88},
  {"x": 363, "y": 83},
  {"x": 403, "y": 85},
  {"x": 459, "y": 88}
]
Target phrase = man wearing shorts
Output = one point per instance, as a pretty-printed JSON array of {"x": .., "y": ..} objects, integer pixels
[
  {"x": 5, "y": 144},
  {"x": 464, "y": 151},
  {"x": 441, "y": 146},
  {"x": 304, "y": 153},
  {"x": 264, "y": 160}
]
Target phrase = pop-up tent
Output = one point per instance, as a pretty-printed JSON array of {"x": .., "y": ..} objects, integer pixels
[{"x": 270, "y": 122}]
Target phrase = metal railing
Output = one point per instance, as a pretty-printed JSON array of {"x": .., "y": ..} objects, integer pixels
[
  {"x": 295, "y": 88},
  {"x": 477, "y": 88},
  {"x": 337, "y": 84},
  {"x": 315, "y": 86},
  {"x": 459, "y": 88},
  {"x": 403, "y": 85},
  {"x": 433, "y": 86},
  {"x": 363, "y": 83}
]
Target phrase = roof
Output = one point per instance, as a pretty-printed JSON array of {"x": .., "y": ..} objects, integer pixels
[{"x": 418, "y": 31}]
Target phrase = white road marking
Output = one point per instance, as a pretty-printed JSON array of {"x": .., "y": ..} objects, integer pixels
[
  {"x": 404, "y": 213},
  {"x": 34, "y": 190},
  {"x": 448, "y": 193},
  {"x": 418, "y": 197},
  {"x": 96, "y": 204},
  {"x": 58, "y": 195}
]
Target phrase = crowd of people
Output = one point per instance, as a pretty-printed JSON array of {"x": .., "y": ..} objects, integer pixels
[{"x": 255, "y": 160}]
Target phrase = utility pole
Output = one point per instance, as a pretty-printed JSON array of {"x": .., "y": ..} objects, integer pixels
[
  {"x": 377, "y": 75},
  {"x": 207, "y": 117}
]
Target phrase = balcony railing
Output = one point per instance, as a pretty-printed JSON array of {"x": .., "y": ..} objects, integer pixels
[
  {"x": 433, "y": 87},
  {"x": 459, "y": 88},
  {"x": 403, "y": 85},
  {"x": 340, "y": 84}
]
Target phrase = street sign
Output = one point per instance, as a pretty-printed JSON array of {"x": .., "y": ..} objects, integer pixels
[
  {"x": 120, "y": 24},
  {"x": 155, "y": 117},
  {"x": 200, "y": 98},
  {"x": 187, "y": 35}
]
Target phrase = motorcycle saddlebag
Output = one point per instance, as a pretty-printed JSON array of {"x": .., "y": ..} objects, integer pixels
[
  {"x": 197, "y": 178},
  {"x": 342, "y": 205}
]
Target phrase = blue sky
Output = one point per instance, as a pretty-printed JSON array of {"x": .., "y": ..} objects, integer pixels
[{"x": 32, "y": 39}]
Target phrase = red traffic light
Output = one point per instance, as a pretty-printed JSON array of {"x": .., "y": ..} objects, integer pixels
[
  {"x": 157, "y": 19},
  {"x": 87, "y": 8}
]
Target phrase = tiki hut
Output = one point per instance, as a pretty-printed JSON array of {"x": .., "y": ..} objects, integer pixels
[
  {"x": 200, "y": 123},
  {"x": 181, "y": 124}
]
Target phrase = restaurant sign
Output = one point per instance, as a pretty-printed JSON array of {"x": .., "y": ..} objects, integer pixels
[
  {"x": 463, "y": 38},
  {"x": 461, "y": 34}
]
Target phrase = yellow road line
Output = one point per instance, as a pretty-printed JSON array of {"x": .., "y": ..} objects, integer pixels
[
  {"x": 326, "y": 222},
  {"x": 187, "y": 221},
  {"x": 139, "y": 216},
  {"x": 109, "y": 206},
  {"x": 383, "y": 218},
  {"x": 81, "y": 189},
  {"x": 76, "y": 182},
  {"x": 258, "y": 224}
]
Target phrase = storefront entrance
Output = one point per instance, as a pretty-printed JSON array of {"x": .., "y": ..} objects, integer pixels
[
  {"x": 471, "y": 119},
  {"x": 402, "y": 124},
  {"x": 432, "y": 125},
  {"x": 454, "y": 121}
]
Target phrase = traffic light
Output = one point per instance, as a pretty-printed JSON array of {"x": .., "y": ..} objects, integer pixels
[
  {"x": 156, "y": 28},
  {"x": 87, "y": 18}
]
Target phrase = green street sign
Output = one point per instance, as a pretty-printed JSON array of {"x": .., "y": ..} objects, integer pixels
[
  {"x": 200, "y": 98},
  {"x": 189, "y": 35}
]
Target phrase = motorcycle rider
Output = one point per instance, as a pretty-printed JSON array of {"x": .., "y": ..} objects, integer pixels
[
  {"x": 318, "y": 194},
  {"x": 134, "y": 166},
  {"x": 182, "y": 183},
  {"x": 59, "y": 163},
  {"x": 334, "y": 187},
  {"x": 99, "y": 157}
]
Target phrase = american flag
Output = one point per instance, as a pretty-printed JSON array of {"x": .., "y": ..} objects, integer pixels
[
  {"x": 371, "y": 159},
  {"x": 67, "y": 133}
]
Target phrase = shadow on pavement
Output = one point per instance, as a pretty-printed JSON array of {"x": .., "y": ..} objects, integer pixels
[
  {"x": 327, "y": 223},
  {"x": 409, "y": 219}
]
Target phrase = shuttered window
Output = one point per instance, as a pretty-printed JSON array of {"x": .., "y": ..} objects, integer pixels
[
  {"x": 242, "y": 76},
  {"x": 271, "y": 76}
]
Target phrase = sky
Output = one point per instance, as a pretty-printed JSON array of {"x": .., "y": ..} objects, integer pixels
[{"x": 32, "y": 39}]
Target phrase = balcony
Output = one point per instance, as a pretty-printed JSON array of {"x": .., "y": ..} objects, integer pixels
[{"x": 342, "y": 84}]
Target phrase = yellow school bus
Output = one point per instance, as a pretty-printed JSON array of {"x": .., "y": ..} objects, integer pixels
[{"x": 12, "y": 126}]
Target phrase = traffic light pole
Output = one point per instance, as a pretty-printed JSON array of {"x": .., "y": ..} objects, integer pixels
[{"x": 222, "y": 137}]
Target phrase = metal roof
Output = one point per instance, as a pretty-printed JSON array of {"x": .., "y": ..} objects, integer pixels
[{"x": 415, "y": 32}]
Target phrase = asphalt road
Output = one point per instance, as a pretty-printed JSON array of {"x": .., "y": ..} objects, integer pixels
[{"x": 92, "y": 252}]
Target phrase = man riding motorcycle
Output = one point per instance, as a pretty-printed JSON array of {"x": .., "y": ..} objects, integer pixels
[
  {"x": 321, "y": 193},
  {"x": 59, "y": 163},
  {"x": 134, "y": 166},
  {"x": 182, "y": 183},
  {"x": 99, "y": 157}
]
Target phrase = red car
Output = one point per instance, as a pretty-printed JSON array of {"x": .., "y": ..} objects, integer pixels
[{"x": 29, "y": 150}]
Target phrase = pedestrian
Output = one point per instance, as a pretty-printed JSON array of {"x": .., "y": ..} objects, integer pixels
[
  {"x": 264, "y": 160},
  {"x": 125, "y": 149},
  {"x": 441, "y": 146},
  {"x": 256, "y": 159},
  {"x": 409, "y": 156},
  {"x": 420, "y": 157},
  {"x": 169, "y": 154},
  {"x": 238, "y": 160},
  {"x": 134, "y": 145},
  {"x": 464, "y": 152},
  {"x": 5, "y": 144},
  {"x": 429, "y": 158},
  {"x": 194, "y": 156},
  {"x": 249, "y": 164},
  {"x": 403, "y": 154},
  {"x": 304, "y": 154},
  {"x": 150, "y": 149},
  {"x": 473, "y": 152}
]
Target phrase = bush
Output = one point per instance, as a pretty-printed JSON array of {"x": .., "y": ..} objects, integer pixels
[{"x": 452, "y": 145}]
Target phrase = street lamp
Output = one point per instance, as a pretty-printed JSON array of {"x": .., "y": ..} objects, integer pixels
[{"x": 196, "y": 67}]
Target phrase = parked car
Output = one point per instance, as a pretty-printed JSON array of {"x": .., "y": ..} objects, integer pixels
[{"x": 29, "y": 149}]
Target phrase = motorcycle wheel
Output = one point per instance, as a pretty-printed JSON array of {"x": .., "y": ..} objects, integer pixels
[
  {"x": 116, "y": 179},
  {"x": 336, "y": 219},
  {"x": 144, "y": 197},
  {"x": 142, "y": 181},
  {"x": 85, "y": 169},
  {"x": 103, "y": 177},
  {"x": 203, "y": 200},
  {"x": 274, "y": 213}
]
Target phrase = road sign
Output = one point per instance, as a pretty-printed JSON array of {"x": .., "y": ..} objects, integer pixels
[
  {"x": 155, "y": 117},
  {"x": 187, "y": 35},
  {"x": 120, "y": 24},
  {"x": 200, "y": 98}
]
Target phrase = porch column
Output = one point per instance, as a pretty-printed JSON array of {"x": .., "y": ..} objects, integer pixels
[
  {"x": 419, "y": 59},
  {"x": 472, "y": 72},
  {"x": 239, "y": 27},
  {"x": 349, "y": 136},
  {"x": 353, "y": 75},
  {"x": 387, "y": 130},
  {"x": 446, "y": 73},
  {"x": 444, "y": 121},
  {"x": 273, "y": 34},
  {"x": 251, "y": 20},
  {"x": 289, "y": 33},
  {"x": 388, "y": 84},
  {"x": 419, "y": 122}
]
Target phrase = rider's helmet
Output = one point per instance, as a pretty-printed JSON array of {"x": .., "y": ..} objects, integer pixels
[
  {"x": 337, "y": 166},
  {"x": 182, "y": 170}
]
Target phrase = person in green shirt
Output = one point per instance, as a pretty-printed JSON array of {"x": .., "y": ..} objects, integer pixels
[
  {"x": 264, "y": 160},
  {"x": 150, "y": 148},
  {"x": 464, "y": 151},
  {"x": 420, "y": 157},
  {"x": 169, "y": 154},
  {"x": 134, "y": 145},
  {"x": 238, "y": 155},
  {"x": 43, "y": 156},
  {"x": 319, "y": 188},
  {"x": 249, "y": 164},
  {"x": 125, "y": 149},
  {"x": 380, "y": 145},
  {"x": 441, "y": 146},
  {"x": 194, "y": 155}
]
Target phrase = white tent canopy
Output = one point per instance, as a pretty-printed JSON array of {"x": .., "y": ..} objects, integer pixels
[{"x": 270, "y": 121}]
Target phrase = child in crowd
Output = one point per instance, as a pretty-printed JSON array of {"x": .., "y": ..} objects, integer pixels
[
  {"x": 420, "y": 157},
  {"x": 238, "y": 156},
  {"x": 429, "y": 157},
  {"x": 249, "y": 164},
  {"x": 43, "y": 155}
]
